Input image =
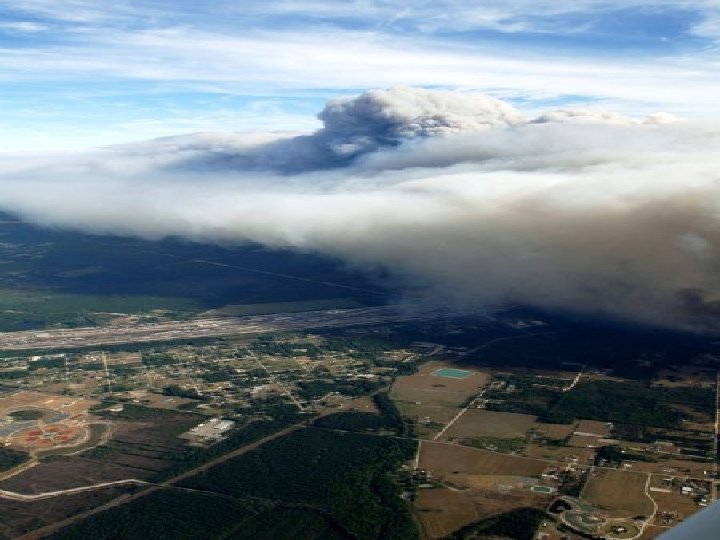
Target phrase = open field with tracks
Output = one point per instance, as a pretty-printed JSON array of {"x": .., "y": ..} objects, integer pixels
[
  {"x": 620, "y": 493},
  {"x": 424, "y": 388},
  {"x": 483, "y": 423}
]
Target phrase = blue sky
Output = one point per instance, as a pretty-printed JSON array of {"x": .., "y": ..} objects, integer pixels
[{"x": 85, "y": 73}]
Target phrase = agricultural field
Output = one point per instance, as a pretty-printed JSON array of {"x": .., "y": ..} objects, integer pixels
[
  {"x": 674, "y": 466},
  {"x": 565, "y": 424},
  {"x": 442, "y": 511},
  {"x": 483, "y": 423},
  {"x": 463, "y": 486},
  {"x": 567, "y": 454},
  {"x": 593, "y": 428},
  {"x": 619, "y": 493},
  {"x": 446, "y": 459},
  {"x": 555, "y": 431},
  {"x": 428, "y": 419},
  {"x": 434, "y": 390}
]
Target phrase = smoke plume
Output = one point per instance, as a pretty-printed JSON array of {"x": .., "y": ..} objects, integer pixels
[{"x": 459, "y": 196}]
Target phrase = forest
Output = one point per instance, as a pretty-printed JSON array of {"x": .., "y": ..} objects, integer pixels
[{"x": 329, "y": 471}]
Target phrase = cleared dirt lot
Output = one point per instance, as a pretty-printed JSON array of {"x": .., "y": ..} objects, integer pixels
[
  {"x": 593, "y": 427},
  {"x": 619, "y": 493},
  {"x": 482, "y": 423},
  {"x": 441, "y": 458}
]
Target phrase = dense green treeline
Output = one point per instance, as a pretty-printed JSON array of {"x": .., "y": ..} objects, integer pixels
[
  {"x": 188, "y": 457},
  {"x": 355, "y": 421},
  {"x": 164, "y": 515},
  {"x": 345, "y": 474},
  {"x": 313, "y": 484},
  {"x": 69, "y": 279},
  {"x": 180, "y": 515},
  {"x": 389, "y": 410},
  {"x": 629, "y": 402},
  {"x": 173, "y": 423},
  {"x": 631, "y": 352},
  {"x": 11, "y": 458},
  {"x": 314, "y": 389},
  {"x": 289, "y": 524}
]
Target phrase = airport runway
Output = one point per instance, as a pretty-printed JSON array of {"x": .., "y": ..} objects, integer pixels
[{"x": 216, "y": 327}]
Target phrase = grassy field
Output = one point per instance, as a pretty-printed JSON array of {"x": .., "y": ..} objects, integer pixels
[
  {"x": 428, "y": 419},
  {"x": 555, "y": 431},
  {"x": 601, "y": 429},
  {"x": 443, "y": 511},
  {"x": 585, "y": 456},
  {"x": 691, "y": 468},
  {"x": 482, "y": 423},
  {"x": 445, "y": 458},
  {"x": 423, "y": 388},
  {"x": 622, "y": 493}
]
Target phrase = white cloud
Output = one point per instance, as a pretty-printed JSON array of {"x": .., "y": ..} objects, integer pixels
[
  {"x": 427, "y": 16},
  {"x": 23, "y": 27},
  {"x": 295, "y": 49},
  {"x": 283, "y": 62},
  {"x": 582, "y": 116}
]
